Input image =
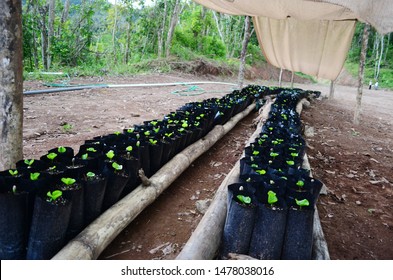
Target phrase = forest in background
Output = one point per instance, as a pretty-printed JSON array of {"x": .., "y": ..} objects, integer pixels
[{"x": 98, "y": 37}]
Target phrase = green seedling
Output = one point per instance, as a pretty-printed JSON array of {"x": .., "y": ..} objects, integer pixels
[
  {"x": 138, "y": 143},
  {"x": 152, "y": 141},
  {"x": 68, "y": 181},
  {"x": 51, "y": 156},
  {"x": 61, "y": 149},
  {"x": 147, "y": 133},
  {"x": 196, "y": 124},
  {"x": 110, "y": 154},
  {"x": 91, "y": 149},
  {"x": 261, "y": 171},
  {"x": 290, "y": 162},
  {"x": 67, "y": 127},
  {"x": 29, "y": 162},
  {"x": 261, "y": 140},
  {"x": 130, "y": 130},
  {"x": 85, "y": 156},
  {"x": 52, "y": 168},
  {"x": 13, "y": 172},
  {"x": 254, "y": 165},
  {"x": 302, "y": 203},
  {"x": 255, "y": 153},
  {"x": 129, "y": 149},
  {"x": 156, "y": 130},
  {"x": 117, "y": 166},
  {"x": 169, "y": 134},
  {"x": 271, "y": 197},
  {"x": 117, "y": 133},
  {"x": 14, "y": 189},
  {"x": 300, "y": 183},
  {"x": 184, "y": 124},
  {"x": 273, "y": 154},
  {"x": 294, "y": 155},
  {"x": 34, "y": 176},
  {"x": 90, "y": 174},
  {"x": 52, "y": 196},
  {"x": 244, "y": 199}
]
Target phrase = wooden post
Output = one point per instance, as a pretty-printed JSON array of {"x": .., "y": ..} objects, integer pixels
[
  {"x": 361, "y": 73},
  {"x": 331, "y": 93},
  {"x": 280, "y": 78},
  {"x": 243, "y": 53},
  {"x": 11, "y": 83}
]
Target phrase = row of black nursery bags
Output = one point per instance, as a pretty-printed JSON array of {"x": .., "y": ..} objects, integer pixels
[
  {"x": 46, "y": 202},
  {"x": 270, "y": 211}
]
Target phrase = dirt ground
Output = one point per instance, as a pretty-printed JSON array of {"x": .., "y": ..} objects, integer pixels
[{"x": 354, "y": 161}]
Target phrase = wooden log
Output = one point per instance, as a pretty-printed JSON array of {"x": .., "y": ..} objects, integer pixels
[
  {"x": 90, "y": 243},
  {"x": 205, "y": 240}
]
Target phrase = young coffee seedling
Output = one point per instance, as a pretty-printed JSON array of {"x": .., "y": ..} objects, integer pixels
[
  {"x": 68, "y": 181},
  {"x": 34, "y": 176},
  {"x": 244, "y": 199},
  {"x": 53, "y": 196},
  {"x": 302, "y": 203},
  {"x": 271, "y": 198}
]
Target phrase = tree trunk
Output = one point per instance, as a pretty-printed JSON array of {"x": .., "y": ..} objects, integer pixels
[
  {"x": 127, "y": 51},
  {"x": 114, "y": 32},
  {"x": 220, "y": 31},
  {"x": 43, "y": 11},
  {"x": 280, "y": 78},
  {"x": 51, "y": 31},
  {"x": 243, "y": 53},
  {"x": 331, "y": 93},
  {"x": 380, "y": 57},
  {"x": 172, "y": 26},
  {"x": 11, "y": 83},
  {"x": 160, "y": 34},
  {"x": 64, "y": 16},
  {"x": 361, "y": 73}
]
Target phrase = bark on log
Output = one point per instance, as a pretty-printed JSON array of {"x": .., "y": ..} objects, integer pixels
[
  {"x": 90, "y": 243},
  {"x": 205, "y": 240},
  {"x": 11, "y": 84}
]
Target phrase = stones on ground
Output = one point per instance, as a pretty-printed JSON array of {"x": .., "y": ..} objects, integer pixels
[
  {"x": 309, "y": 131},
  {"x": 203, "y": 205}
]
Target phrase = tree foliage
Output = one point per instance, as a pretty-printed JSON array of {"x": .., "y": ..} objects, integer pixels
[{"x": 102, "y": 33}]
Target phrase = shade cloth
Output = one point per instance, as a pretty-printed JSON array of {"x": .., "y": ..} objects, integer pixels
[{"x": 309, "y": 36}]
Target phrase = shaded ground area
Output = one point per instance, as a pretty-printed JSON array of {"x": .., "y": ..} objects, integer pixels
[{"x": 355, "y": 162}]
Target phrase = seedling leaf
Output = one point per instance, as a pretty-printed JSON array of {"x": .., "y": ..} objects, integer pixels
[
  {"x": 68, "y": 181},
  {"x": 244, "y": 199},
  {"x": 271, "y": 197}
]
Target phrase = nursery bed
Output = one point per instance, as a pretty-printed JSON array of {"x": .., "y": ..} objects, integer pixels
[{"x": 337, "y": 150}]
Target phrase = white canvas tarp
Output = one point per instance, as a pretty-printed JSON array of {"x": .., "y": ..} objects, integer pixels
[
  {"x": 311, "y": 36},
  {"x": 314, "y": 47}
]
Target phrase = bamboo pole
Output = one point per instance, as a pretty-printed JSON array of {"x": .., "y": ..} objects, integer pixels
[{"x": 90, "y": 243}]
